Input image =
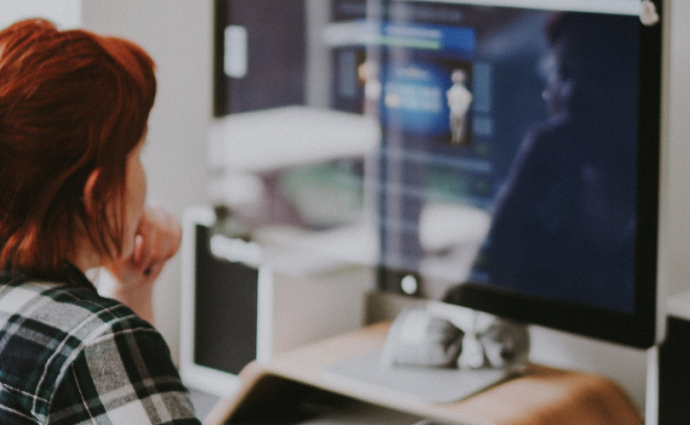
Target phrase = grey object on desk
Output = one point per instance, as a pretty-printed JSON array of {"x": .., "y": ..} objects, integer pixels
[
  {"x": 421, "y": 337},
  {"x": 418, "y": 338},
  {"x": 505, "y": 343}
]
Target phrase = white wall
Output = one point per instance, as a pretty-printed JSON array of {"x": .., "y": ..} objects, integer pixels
[
  {"x": 177, "y": 34},
  {"x": 64, "y": 13},
  {"x": 675, "y": 237}
]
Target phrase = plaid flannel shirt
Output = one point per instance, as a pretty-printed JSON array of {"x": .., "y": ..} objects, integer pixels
[{"x": 69, "y": 356}]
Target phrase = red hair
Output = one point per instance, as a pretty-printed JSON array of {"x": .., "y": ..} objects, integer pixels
[{"x": 71, "y": 102}]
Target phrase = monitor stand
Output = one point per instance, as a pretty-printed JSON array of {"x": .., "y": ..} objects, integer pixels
[{"x": 431, "y": 385}]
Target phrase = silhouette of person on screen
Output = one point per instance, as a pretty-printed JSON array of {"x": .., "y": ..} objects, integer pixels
[{"x": 563, "y": 224}]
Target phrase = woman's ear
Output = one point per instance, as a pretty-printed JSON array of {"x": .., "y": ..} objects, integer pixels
[{"x": 88, "y": 195}]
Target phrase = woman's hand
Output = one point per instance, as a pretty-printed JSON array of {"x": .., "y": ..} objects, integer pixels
[{"x": 157, "y": 239}]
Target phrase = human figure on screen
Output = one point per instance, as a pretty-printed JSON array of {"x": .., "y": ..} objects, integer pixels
[
  {"x": 459, "y": 99},
  {"x": 563, "y": 224}
]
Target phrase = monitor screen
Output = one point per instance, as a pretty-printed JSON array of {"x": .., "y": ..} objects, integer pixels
[{"x": 518, "y": 170}]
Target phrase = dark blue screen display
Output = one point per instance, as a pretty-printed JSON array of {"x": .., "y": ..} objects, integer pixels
[{"x": 509, "y": 155}]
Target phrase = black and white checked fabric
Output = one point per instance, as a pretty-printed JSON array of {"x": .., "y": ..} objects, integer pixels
[{"x": 69, "y": 356}]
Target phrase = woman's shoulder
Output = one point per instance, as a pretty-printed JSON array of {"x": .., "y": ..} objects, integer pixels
[
  {"x": 51, "y": 323},
  {"x": 75, "y": 310},
  {"x": 46, "y": 326}
]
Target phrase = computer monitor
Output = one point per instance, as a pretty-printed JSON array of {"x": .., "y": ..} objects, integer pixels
[
  {"x": 226, "y": 318},
  {"x": 519, "y": 166}
]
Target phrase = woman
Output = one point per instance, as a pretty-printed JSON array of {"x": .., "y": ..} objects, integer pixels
[{"x": 73, "y": 113}]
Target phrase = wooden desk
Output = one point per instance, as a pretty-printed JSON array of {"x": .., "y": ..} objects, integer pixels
[{"x": 542, "y": 396}]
